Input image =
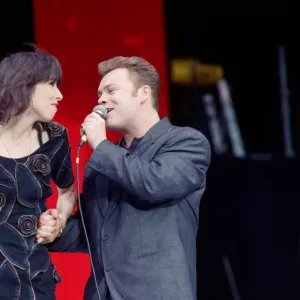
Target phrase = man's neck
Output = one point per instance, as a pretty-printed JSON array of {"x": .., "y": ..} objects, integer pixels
[{"x": 141, "y": 127}]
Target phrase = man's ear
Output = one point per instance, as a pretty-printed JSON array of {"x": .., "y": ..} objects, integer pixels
[{"x": 144, "y": 93}]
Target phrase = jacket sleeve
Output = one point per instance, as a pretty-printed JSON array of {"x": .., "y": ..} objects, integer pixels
[
  {"x": 61, "y": 166},
  {"x": 178, "y": 169}
]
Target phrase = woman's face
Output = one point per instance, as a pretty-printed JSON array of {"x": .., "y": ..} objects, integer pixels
[{"x": 45, "y": 99}]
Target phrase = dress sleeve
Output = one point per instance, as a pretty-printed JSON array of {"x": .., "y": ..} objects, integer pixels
[{"x": 61, "y": 165}]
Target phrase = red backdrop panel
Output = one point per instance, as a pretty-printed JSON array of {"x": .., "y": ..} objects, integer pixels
[{"x": 81, "y": 34}]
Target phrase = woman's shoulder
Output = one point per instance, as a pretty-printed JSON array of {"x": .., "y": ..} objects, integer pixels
[{"x": 54, "y": 129}]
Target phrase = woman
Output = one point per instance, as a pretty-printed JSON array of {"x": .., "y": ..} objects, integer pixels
[{"x": 32, "y": 151}]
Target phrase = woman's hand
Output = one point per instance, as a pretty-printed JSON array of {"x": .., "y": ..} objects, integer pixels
[{"x": 49, "y": 227}]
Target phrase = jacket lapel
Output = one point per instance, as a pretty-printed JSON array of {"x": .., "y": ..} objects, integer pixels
[
  {"x": 152, "y": 135},
  {"x": 149, "y": 139}
]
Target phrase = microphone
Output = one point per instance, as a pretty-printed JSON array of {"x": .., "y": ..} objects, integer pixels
[{"x": 102, "y": 112}]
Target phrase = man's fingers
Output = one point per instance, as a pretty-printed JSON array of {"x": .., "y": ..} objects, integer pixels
[
  {"x": 43, "y": 234},
  {"x": 53, "y": 213},
  {"x": 45, "y": 213},
  {"x": 48, "y": 222},
  {"x": 97, "y": 117},
  {"x": 47, "y": 218},
  {"x": 51, "y": 223},
  {"x": 47, "y": 229}
]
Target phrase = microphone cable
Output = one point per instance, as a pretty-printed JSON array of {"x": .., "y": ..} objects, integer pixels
[
  {"x": 102, "y": 112},
  {"x": 82, "y": 218}
]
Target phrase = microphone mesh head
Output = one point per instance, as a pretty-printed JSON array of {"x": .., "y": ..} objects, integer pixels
[{"x": 101, "y": 111}]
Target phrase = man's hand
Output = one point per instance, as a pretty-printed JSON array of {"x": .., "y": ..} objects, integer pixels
[
  {"x": 94, "y": 128},
  {"x": 49, "y": 227}
]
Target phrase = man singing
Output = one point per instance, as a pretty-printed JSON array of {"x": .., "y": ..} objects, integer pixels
[{"x": 141, "y": 196}]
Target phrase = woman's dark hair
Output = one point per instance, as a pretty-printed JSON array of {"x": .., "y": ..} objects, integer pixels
[{"x": 19, "y": 73}]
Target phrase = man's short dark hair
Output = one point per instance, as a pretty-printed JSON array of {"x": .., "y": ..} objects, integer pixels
[{"x": 141, "y": 73}]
